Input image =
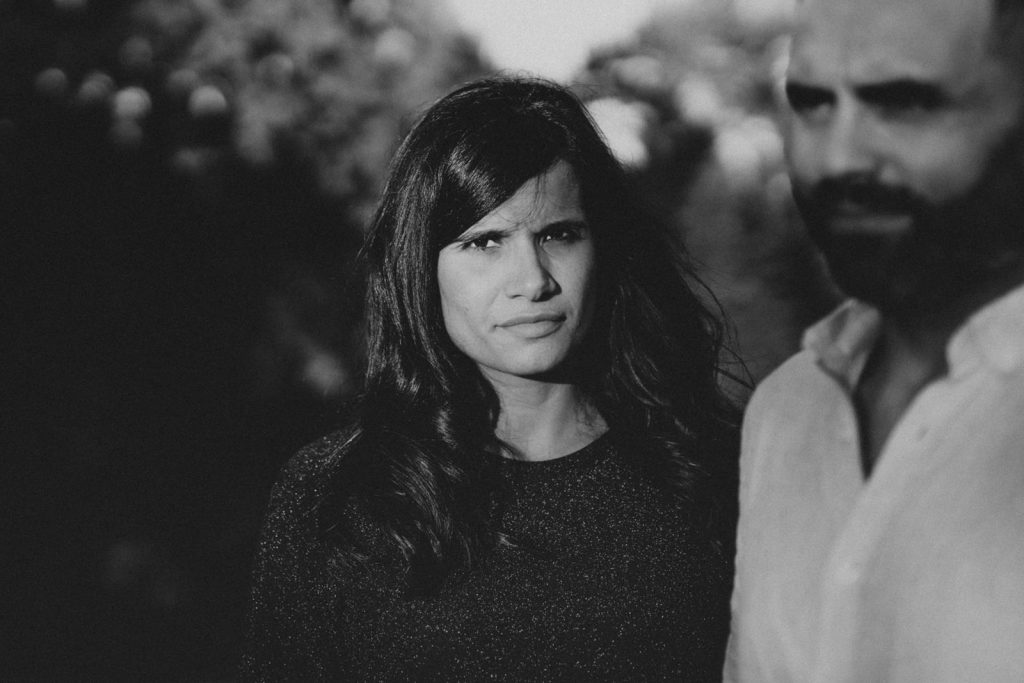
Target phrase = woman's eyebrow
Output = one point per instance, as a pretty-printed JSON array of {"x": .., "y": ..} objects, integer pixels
[
  {"x": 568, "y": 223},
  {"x": 475, "y": 232}
]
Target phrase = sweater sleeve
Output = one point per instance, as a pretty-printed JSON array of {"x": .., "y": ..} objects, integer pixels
[{"x": 291, "y": 611}]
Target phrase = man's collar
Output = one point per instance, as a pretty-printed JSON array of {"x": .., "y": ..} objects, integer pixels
[
  {"x": 843, "y": 340},
  {"x": 993, "y": 335}
]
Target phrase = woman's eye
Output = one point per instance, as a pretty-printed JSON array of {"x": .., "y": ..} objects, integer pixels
[
  {"x": 561, "y": 235},
  {"x": 482, "y": 242}
]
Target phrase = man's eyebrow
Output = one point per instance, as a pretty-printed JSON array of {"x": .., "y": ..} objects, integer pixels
[{"x": 903, "y": 93}]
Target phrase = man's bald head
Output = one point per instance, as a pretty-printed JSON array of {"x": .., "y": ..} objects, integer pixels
[{"x": 905, "y": 142}]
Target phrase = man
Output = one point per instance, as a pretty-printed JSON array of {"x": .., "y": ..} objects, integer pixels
[{"x": 882, "y": 478}]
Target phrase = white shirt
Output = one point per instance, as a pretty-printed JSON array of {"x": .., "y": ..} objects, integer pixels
[{"x": 915, "y": 574}]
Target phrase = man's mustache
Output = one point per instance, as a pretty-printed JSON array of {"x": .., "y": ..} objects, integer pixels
[{"x": 842, "y": 195}]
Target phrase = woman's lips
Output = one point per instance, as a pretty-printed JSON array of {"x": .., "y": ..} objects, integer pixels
[
  {"x": 534, "y": 326},
  {"x": 532, "y": 319}
]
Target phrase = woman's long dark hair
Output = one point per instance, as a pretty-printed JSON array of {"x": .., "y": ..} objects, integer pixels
[{"x": 417, "y": 460}]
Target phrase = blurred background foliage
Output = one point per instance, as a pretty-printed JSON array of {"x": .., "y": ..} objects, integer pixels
[
  {"x": 184, "y": 186},
  {"x": 690, "y": 105}
]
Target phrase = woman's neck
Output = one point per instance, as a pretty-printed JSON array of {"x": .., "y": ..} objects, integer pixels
[{"x": 545, "y": 420}]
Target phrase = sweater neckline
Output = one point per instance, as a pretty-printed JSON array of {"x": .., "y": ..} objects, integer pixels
[{"x": 571, "y": 462}]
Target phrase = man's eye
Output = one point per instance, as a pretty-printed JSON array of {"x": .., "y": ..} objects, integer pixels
[
  {"x": 806, "y": 99},
  {"x": 903, "y": 97}
]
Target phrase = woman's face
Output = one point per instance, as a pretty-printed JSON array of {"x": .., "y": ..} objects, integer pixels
[{"x": 517, "y": 287}]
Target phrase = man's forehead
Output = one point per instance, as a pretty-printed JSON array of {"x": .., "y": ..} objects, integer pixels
[{"x": 876, "y": 40}]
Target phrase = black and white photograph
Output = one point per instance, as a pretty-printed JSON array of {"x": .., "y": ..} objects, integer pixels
[{"x": 513, "y": 340}]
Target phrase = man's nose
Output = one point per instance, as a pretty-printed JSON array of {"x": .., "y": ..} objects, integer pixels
[
  {"x": 849, "y": 147},
  {"x": 529, "y": 273}
]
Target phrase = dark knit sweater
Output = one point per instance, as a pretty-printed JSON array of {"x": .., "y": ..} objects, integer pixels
[{"x": 625, "y": 588}]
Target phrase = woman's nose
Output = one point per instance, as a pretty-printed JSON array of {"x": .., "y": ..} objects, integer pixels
[{"x": 529, "y": 274}]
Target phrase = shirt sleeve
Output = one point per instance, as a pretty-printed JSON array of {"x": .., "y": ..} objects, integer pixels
[{"x": 740, "y": 664}]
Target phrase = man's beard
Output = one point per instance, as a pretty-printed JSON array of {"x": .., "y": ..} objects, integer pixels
[{"x": 949, "y": 251}]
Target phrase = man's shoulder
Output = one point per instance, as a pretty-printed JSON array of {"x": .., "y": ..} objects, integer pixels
[
  {"x": 795, "y": 380},
  {"x": 794, "y": 406},
  {"x": 790, "y": 422}
]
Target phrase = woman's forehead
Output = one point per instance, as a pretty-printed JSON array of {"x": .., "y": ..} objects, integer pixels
[{"x": 547, "y": 198}]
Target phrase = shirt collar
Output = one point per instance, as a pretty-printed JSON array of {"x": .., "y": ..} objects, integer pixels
[
  {"x": 993, "y": 335},
  {"x": 842, "y": 340}
]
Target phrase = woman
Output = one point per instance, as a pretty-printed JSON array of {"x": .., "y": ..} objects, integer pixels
[{"x": 536, "y": 482}]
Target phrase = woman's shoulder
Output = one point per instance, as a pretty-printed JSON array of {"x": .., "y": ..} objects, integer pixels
[
  {"x": 310, "y": 486},
  {"x": 320, "y": 458},
  {"x": 307, "y": 476}
]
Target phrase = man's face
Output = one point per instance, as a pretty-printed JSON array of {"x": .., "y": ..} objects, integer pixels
[{"x": 905, "y": 145}]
